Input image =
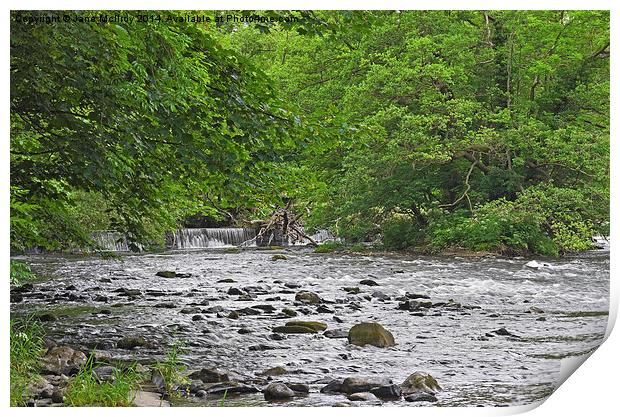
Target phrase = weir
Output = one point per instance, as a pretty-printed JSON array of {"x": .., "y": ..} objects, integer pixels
[{"x": 205, "y": 237}]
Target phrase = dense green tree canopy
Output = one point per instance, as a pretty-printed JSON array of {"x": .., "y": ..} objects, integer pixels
[{"x": 486, "y": 130}]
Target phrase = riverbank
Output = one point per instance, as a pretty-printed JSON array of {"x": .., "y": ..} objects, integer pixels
[{"x": 463, "y": 320}]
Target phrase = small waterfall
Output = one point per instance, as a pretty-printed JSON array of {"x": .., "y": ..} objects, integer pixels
[
  {"x": 601, "y": 242},
  {"x": 213, "y": 237},
  {"x": 320, "y": 236},
  {"x": 110, "y": 240}
]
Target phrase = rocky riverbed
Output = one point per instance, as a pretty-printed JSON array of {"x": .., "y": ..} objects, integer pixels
[{"x": 282, "y": 327}]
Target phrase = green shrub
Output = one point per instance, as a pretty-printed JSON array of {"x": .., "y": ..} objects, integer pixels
[
  {"x": 26, "y": 350},
  {"x": 20, "y": 271},
  {"x": 498, "y": 226},
  {"x": 328, "y": 247},
  {"x": 400, "y": 233}
]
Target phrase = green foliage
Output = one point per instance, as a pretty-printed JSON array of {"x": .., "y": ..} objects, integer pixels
[
  {"x": 165, "y": 122},
  {"x": 497, "y": 226},
  {"x": 400, "y": 233},
  {"x": 20, "y": 272},
  {"x": 414, "y": 128},
  {"x": 87, "y": 390},
  {"x": 171, "y": 370},
  {"x": 26, "y": 350},
  {"x": 442, "y": 113},
  {"x": 328, "y": 247}
]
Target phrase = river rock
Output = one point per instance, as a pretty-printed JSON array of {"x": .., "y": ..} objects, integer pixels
[
  {"x": 62, "y": 360},
  {"x": 502, "y": 332},
  {"x": 210, "y": 375},
  {"x": 130, "y": 342},
  {"x": 235, "y": 291},
  {"x": 275, "y": 371},
  {"x": 411, "y": 305},
  {"x": 190, "y": 310},
  {"x": 58, "y": 396},
  {"x": 420, "y": 382},
  {"x": 352, "y": 290},
  {"x": 380, "y": 295},
  {"x": 233, "y": 315},
  {"x": 299, "y": 387},
  {"x": 40, "y": 388},
  {"x": 362, "y": 396},
  {"x": 336, "y": 334},
  {"x": 278, "y": 391},
  {"x": 414, "y": 296},
  {"x": 308, "y": 297},
  {"x": 293, "y": 329},
  {"x": 370, "y": 334},
  {"x": 129, "y": 292},
  {"x": 360, "y": 384},
  {"x": 388, "y": 392},
  {"x": 369, "y": 282},
  {"x": 421, "y": 396},
  {"x": 232, "y": 387},
  {"x": 148, "y": 399},
  {"x": 265, "y": 307},
  {"x": 314, "y": 325},
  {"x": 289, "y": 312},
  {"x": 324, "y": 310},
  {"x": 332, "y": 387}
]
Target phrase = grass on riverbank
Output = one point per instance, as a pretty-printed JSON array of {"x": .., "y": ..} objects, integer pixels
[
  {"x": 171, "y": 371},
  {"x": 87, "y": 389},
  {"x": 27, "y": 348}
]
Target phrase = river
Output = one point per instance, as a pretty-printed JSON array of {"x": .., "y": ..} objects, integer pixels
[{"x": 555, "y": 311}]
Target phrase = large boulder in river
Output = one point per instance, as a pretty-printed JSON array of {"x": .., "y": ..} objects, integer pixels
[
  {"x": 420, "y": 382},
  {"x": 359, "y": 384},
  {"x": 370, "y": 334},
  {"x": 62, "y": 360},
  {"x": 278, "y": 391},
  {"x": 210, "y": 375},
  {"x": 308, "y": 297}
]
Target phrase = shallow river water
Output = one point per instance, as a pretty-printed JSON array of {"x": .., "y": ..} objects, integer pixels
[{"x": 449, "y": 343}]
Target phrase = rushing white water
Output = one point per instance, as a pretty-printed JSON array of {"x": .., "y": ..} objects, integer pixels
[
  {"x": 320, "y": 236},
  {"x": 556, "y": 312},
  {"x": 212, "y": 237}
]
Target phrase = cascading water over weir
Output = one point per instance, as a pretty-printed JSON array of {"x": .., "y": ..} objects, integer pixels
[
  {"x": 198, "y": 238},
  {"x": 213, "y": 237}
]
